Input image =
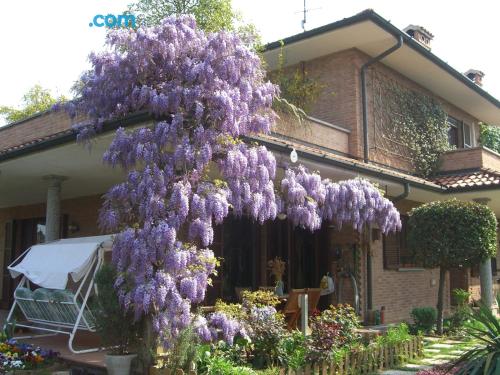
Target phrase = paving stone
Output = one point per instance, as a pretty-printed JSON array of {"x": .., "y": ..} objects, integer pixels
[
  {"x": 443, "y": 346},
  {"x": 432, "y": 361},
  {"x": 398, "y": 372},
  {"x": 430, "y": 350}
]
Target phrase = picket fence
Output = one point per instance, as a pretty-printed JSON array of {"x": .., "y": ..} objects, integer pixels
[{"x": 366, "y": 361}]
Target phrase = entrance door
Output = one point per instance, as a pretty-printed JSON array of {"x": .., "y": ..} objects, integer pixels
[
  {"x": 458, "y": 280},
  {"x": 19, "y": 236}
]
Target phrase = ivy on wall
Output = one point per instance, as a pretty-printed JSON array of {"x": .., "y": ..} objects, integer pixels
[
  {"x": 416, "y": 122},
  {"x": 490, "y": 137}
]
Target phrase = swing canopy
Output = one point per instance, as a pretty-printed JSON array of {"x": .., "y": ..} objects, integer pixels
[{"x": 50, "y": 265}]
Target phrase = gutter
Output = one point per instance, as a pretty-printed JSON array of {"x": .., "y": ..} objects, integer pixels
[
  {"x": 364, "y": 98},
  {"x": 370, "y": 15}
]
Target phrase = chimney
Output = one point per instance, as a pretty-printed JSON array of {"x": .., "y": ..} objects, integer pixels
[
  {"x": 420, "y": 34},
  {"x": 475, "y": 76}
]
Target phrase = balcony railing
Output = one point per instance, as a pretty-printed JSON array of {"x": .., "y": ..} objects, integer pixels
[{"x": 470, "y": 159}]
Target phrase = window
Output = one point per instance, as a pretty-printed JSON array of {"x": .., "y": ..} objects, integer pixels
[
  {"x": 396, "y": 252},
  {"x": 467, "y": 132},
  {"x": 453, "y": 127}
]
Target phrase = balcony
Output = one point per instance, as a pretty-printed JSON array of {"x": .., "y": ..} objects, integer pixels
[{"x": 470, "y": 159}]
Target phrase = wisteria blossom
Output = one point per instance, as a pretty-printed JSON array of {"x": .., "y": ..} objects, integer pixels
[{"x": 206, "y": 92}]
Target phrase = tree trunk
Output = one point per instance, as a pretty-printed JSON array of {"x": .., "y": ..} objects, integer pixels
[
  {"x": 440, "y": 303},
  {"x": 148, "y": 352}
]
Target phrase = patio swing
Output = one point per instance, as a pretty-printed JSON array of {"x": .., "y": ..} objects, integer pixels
[{"x": 47, "y": 298}]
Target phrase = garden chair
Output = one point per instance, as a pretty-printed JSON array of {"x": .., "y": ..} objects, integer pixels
[
  {"x": 46, "y": 297},
  {"x": 292, "y": 309},
  {"x": 313, "y": 296}
]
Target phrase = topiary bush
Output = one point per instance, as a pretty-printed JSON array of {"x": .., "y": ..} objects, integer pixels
[
  {"x": 424, "y": 318},
  {"x": 451, "y": 234}
]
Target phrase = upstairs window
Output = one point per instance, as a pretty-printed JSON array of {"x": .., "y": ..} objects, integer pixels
[
  {"x": 467, "y": 132},
  {"x": 453, "y": 132}
]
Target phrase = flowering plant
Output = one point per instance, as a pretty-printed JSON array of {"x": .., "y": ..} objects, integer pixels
[
  {"x": 18, "y": 356},
  {"x": 206, "y": 93}
]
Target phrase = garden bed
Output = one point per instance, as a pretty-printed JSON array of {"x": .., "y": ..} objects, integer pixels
[{"x": 365, "y": 361}]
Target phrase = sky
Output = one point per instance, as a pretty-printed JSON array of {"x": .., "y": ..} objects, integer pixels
[{"x": 47, "y": 42}]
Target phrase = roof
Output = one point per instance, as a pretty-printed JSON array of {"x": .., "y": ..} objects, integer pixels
[
  {"x": 481, "y": 178},
  {"x": 372, "y": 34}
]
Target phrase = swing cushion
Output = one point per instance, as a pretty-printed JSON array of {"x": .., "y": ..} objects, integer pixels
[
  {"x": 23, "y": 293},
  {"x": 62, "y": 295},
  {"x": 42, "y": 294}
]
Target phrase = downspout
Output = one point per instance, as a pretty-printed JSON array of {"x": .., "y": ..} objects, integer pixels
[
  {"x": 404, "y": 194},
  {"x": 364, "y": 100},
  {"x": 363, "y": 92}
]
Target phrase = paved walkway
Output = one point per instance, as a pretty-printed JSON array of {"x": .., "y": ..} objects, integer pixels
[{"x": 437, "y": 351}]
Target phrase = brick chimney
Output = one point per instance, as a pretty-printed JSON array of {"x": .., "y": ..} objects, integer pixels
[
  {"x": 475, "y": 76},
  {"x": 420, "y": 34}
]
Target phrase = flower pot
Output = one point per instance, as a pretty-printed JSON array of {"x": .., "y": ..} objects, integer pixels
[{"x": 119, "y": 364}]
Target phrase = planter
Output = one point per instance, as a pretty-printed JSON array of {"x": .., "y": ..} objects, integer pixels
[{"x": 119, "y": 364}]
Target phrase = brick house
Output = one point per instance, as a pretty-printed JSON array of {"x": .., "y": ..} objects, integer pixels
[{"x": 345, "y": 137}]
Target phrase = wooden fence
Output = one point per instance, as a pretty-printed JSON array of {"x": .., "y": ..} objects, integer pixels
[{"x": 366, "y": 361}]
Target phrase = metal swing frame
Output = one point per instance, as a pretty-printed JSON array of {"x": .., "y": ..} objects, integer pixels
[{"x": 59, "y": 317}]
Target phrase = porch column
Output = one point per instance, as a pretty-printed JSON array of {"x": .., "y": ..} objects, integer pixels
[
  {"x": 53, "y": 210},
  {"x": 485, "y": 275}
]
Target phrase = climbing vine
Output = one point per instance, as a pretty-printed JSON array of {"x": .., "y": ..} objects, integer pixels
[
  {"x": 490, "y": 137},
  {"x": 414, "y": 121},
  {"x": 298, "y": 90}
]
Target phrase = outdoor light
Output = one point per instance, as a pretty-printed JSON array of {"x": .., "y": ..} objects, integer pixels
[
  {"x": 282, "y": 216},
  {"x": 293, "y": 156}
]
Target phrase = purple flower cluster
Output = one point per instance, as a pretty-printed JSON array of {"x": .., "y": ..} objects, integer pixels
[
  {"x": 308, "y": 201},
  {"x": 206, "y": 91}
]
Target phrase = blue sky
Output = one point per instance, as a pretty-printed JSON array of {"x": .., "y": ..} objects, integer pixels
[{"x": 47, "y": 42}]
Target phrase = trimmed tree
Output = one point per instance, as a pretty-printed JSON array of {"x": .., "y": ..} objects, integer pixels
[
  {"x": 186, "y": 171},
  {"x": 451, "y": 234}
]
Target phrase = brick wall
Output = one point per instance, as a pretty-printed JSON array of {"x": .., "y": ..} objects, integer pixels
[
  {"x": 339, "y": 97},
  {"x": 471, "y": 158},
  {"x": 314, "y": 132},
  {"x": 402, "y": 290},
  {"x": 40, "y": 126}
]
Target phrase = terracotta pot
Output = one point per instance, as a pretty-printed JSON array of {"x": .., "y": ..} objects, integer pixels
[{"x": 119, "y": 364}]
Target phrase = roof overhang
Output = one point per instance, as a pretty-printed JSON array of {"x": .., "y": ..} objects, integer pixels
[{"x": 372, "y": 34}]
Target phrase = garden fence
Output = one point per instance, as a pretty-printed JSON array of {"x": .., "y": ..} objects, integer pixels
[{"x": 366, "y": 361}]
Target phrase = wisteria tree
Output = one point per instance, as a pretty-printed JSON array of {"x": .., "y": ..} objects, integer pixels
[{"x": 191, "y": 168}]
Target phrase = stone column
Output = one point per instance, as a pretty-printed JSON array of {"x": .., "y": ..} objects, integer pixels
[
  {"x": 485, "y": 275},
  {"x": 53, "y": 210}
]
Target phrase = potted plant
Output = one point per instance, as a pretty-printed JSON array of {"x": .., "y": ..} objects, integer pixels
[
  {"x": 276, "y": 268},
  {"x": 116, "y": 327}
]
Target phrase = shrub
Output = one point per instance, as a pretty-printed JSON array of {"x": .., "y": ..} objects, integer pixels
[
  {"x": 292, "y": 350},
  {"x": 116, "y": 327},
  {"x": 334, "y": 328},
  {"x": 266, "y": 328},
  {"x": 424, "y": 318},
  {"x": 483, "y": 358},
  {"x": 394, "y": 335},
  {"x": 345, "y": 316},
  {"x": 260, "y": 298}
]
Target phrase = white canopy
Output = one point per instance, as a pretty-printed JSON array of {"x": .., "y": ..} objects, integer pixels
[{"x": 48, "y": 265}]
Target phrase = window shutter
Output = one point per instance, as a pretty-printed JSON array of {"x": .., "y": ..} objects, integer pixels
[{"x": 391, "y": 245}]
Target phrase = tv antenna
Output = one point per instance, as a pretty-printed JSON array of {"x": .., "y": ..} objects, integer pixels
[{"x": 304, "y": 11}]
